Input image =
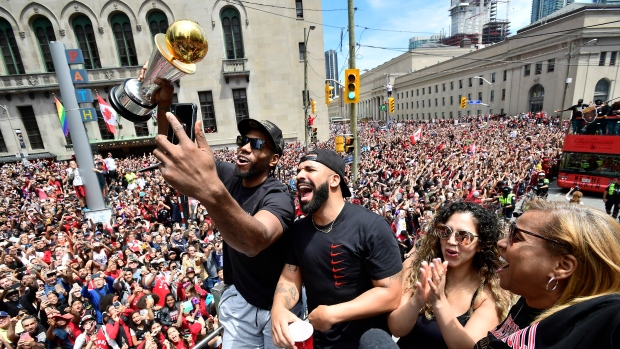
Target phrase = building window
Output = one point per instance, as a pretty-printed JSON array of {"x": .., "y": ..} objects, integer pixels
[
  {"x": 299, "y": 9},
  {"x": 10, "y": 51},
  {"x": 451, "y": 85},
  {"x": 538, "y": 70},
  {"x": 83, "y": 29},
  {"x": 142, "y": 128},
  {"x": 103, "y": 127},
  {"x": 492, "y": 95},
  {"x": 417, "y": 91},
  {"x": 527, "y": 69},
  {"x": 443, "y": 114},
  {"x": 551, "y": 65},
  {"x": 601, "y": 60},
  {"x": 208, "y": 111},
  {"x": 443, "y": 101},
  {"x": 302, "y": 51},
  {"x": 407, "y": 94},
  {"x": 479, "y": 96},
  {"x": 451, "y": 100},
  {"x": 451, "y": 115},
  {"x": 429, "y": 90},
  {"x": 601, "y": 90},
  {"x": 232, "y": 33},
  {"x": 241, "y": 104},
  {"x": 469, "y": 96},
  {"x": 429, "y": 102},
  {"x": 503, "y": 94},
  {"x": 3, "y": 148},
  {"x": 443, "y": 87},
  {"x": 460, "y": 83},
  {"x": 436, "y": 89},
  {"x": 435, "y": 101},
  {"x": 45, "y": 33},
  {"x": 459, "y": 114},
  {"x": 32, "y": 127},
  {"x": 480, "y": 81},
  {"x": 612, "y": 58},
  {"x": 423, "y": 91},
  {"x": 470, "y": 82},
  {"x": 422, "y": 103},
  {"x": 492, "y": 77},
  {"x": 501, "y": 111},
  {"x": 121, "y": 27},
  {"x": 158, "y": 23},
  {"x": 505, "y": 77},
  {"x": 417, "y": 104}
]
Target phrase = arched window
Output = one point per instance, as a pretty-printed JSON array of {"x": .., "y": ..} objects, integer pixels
[
  {"x": 44, "y": 31},
  {"x": 85, "y": 35},
  {"x": 601, "y": 91},
  {"x": 158, "y": 23},
  {"x": 121, "y": 27},
  {"x": 233, "y": 40},
  {"x": 8, "y": 48},
  {"x": 537, "y": 96}
]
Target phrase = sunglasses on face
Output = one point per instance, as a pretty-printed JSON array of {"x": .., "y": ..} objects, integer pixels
[
  {"x": 512, "y": 233},
  {"x": 462, "y": 237},
  {"x": 255, "y": 143}
]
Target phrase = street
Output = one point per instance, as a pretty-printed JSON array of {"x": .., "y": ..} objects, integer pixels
[{"x": 589, "y": 199}]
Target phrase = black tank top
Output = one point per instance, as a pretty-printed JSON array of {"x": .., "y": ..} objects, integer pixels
[{"x": 426, "y": 333}]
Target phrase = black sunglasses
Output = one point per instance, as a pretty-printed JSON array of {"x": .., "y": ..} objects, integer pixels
[
  {"x": 513, "y": 229},
  {"x": 255, "y": 143},
  {"x": 462, "y": 237}
]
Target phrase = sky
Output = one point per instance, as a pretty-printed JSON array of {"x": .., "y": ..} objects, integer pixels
[{"x": 407, "y": 19}]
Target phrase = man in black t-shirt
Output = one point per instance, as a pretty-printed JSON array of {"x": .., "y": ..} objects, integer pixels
[
  {"x": 251, "y": 209},
  {"x": 346, "y": 256},
  {"x": 576, "y": 109}
]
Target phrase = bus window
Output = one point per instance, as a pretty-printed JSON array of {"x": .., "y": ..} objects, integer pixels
[{"x": 593, "y": 164}]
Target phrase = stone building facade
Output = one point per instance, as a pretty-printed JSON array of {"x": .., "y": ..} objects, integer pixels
[{"x": 254, "y": 67}]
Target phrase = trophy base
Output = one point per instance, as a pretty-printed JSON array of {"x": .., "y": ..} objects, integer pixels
[{"x": 127, "y": 105}]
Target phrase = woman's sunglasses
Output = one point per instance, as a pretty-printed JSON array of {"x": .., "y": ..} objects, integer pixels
[
  {"x": 513, "y": 229},
  {"x": 462, "y": 237},
  {"x": 255, "y": 143}
]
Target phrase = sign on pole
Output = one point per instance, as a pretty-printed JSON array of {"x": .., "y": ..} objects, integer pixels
[{"x": 475, "y": 101}]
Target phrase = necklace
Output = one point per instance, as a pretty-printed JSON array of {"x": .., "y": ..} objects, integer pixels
[{"x": 321, "y": 230}]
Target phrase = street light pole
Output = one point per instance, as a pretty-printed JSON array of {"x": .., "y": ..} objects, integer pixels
[
  {"x": 489, "y": 97},
  {"x": 8, "y": 116},
  {"x": 306, "y": 93}
]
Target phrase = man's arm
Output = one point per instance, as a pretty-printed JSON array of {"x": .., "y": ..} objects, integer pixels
[
  {"x": 384, "y": 297},
  {"x": 286, "y": 296}
]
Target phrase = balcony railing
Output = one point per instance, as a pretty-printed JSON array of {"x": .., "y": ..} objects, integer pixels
[
  {"x": 235, "y": 68},
  {"x": 38, "y": 81}
]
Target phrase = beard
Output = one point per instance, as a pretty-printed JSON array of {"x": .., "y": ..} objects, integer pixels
[
  {"x": 256, "y": 168},
  {"x": 319, "y": 197}
]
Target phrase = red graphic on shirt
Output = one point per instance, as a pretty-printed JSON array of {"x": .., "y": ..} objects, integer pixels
[{"x": 337, "y": 271}]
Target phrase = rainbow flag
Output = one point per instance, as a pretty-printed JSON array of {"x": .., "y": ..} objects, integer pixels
[{"x": 62, "y": 115}]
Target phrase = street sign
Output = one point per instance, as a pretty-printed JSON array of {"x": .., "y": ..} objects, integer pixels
[
  {"x": 383, "y": 107},
  {"x": 475, "y": 101},
  {"x": 348, "y": 159}
]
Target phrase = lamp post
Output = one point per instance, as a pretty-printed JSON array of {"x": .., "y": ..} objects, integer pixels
[
  {"x": 8, "y": 116},
  {"x": 489, "y": 96},
  {"x": 569, "y": 54},
  {"x": 306, "y": 93}
]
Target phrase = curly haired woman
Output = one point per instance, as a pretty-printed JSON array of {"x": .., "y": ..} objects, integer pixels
[{"x": 464, "y": 235}]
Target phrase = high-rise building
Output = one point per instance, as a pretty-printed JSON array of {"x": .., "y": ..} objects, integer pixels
[
  {"x": 331, "y": 69},
  {"x": 421, "y": 40},
  {"x": 610, "y": 2},
  {"x": 543, "y": 8}
]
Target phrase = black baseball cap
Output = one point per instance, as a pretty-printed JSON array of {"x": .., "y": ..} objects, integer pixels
[
  {"x": 265, "y": 126},
  {"x": 332, "y": 160}
]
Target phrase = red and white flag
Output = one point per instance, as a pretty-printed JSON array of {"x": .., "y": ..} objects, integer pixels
[
  {"x": 417, "y": 135},
  {"x": 472, "y": 148},
  {"x": 109, "y": 114}
]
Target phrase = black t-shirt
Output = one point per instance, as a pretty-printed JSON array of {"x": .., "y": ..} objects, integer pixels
[
  {"x": 338, "y": 266},
  {"x": 594, "y": 323},
  {"x": 256, "y": 277}
]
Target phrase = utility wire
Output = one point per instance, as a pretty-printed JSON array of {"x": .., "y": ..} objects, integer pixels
[{"x": 288, "y": 8}]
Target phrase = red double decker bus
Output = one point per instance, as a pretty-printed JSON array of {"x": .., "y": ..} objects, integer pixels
[{"x": 589, "y": 161}]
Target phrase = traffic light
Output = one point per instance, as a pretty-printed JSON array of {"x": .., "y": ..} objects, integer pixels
[
  {"x": 352, "y": 86},
  {"x": 391, "y": 105},
  {"x": 313, "y": 105},
  {"x": 328, "y": 93},
  {"x": 339, "y": 140},
  {"x": 348, "y": 145},
  {"x": 313, "y": 137},
  {"x": 463, "y": 102}
]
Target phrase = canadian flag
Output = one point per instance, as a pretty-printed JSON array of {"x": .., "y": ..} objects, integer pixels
[
  {"x": 472, "y": 148},
  {"x": 109, "y": 115},
  {"x": 417, "y": 135}
]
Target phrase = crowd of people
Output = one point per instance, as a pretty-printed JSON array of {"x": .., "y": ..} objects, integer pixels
[{"x": 145, "y": 279}]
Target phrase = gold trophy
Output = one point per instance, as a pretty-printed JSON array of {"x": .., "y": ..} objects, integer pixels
[{"x": 177, "y": 51}]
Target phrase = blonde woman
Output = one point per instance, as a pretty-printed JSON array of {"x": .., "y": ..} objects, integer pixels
[
  {"x": 464, "y": 235},
  {"x": 563, "y": 260}
]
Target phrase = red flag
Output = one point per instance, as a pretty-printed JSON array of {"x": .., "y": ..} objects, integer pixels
[
  {"x": 109, "y": 115},
  {"x": 417, "y": 135}
]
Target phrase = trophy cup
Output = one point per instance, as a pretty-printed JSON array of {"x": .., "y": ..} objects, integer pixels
[{"x": 176, "y": 53}]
